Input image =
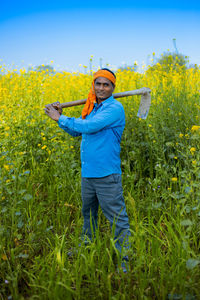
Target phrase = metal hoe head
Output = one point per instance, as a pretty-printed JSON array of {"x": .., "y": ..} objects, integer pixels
[{"x": 145, "y": 103}]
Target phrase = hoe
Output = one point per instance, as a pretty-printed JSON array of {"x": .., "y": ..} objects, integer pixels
[{"x": 145, "y": 101}]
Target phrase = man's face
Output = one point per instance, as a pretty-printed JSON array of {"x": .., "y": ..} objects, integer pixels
[{"x": 103, "y": 88}]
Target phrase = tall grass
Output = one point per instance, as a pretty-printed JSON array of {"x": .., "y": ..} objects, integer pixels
[{"x": 40, "y": 207}]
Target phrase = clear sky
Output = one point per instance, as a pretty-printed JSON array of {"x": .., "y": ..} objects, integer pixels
[{"x": 119, "y": 32}]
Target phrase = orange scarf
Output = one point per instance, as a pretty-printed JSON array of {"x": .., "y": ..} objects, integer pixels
[{"x": 88, "y": 107}]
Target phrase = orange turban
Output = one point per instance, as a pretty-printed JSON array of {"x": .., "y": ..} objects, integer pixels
[{"x": 88, "y": 107}]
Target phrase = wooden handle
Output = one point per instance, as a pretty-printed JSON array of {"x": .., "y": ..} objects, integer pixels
[{"x": 141, "y": 91}]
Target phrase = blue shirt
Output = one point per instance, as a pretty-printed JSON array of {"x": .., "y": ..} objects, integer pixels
[{"x": 101, "y": 136}]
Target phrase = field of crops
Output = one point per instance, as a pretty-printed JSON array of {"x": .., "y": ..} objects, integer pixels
[{"x": 40, "y": 200}]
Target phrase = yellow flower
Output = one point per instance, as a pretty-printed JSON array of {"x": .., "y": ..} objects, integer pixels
[
  {"x": 175, "y": 157},
  {"x": 4, "y": 257},
  {"x": 180, "y": 135},
  {"x": 194, "y": 162},
  {"x": 44, "y": 147},
  {"x": 195, "y": 128},
  {"x": 192, "y": 150},
  {"x": 16, "y": 242},
  {"x": 174, "y": 179},
  {"x": 7, "y": 167},
  {"x": 150, "y": 125}
]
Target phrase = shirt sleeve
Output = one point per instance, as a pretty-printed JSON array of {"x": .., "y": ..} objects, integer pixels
[
  {"x": 108, "y": 116},
  {"x": 66, "y": 129}
]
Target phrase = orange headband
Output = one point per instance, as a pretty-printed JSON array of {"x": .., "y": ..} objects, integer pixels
[
  {"x": 88, "y": 107},
  {"x": 106, "y": 74}
]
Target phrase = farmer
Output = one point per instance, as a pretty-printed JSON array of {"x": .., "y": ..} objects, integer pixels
[{"x": 101, "y": 126}]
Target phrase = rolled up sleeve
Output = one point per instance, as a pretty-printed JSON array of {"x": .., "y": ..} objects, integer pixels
[{"x": 63, "y": 125}]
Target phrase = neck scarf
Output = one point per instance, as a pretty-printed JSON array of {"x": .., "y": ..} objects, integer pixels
[{"x": 88, "y": 107}]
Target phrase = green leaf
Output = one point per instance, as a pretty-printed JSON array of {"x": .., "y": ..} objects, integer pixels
[
  {"x": 23, "y": 255},
  {"x": 157, "y": 205},
  {"x": 20, "y": 224},
  {"x": 22, "y": 191},
  {"x": 26, "y": 172},
  {"x": 174, "y": 296},
  {"x": 188, "y": 189},
  {"x": 27, "y": 197},
  {"x": 18, "y": 213},
  {"x": 186, "y": 222},
  {"x": 192, "y": 263},
  {"x": 49, "y": 228}
]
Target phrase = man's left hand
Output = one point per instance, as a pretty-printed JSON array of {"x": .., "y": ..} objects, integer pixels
[{"x": 52, "y": 112}]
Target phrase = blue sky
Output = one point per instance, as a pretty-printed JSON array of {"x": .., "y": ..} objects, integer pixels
[{"x": 119, "y": 32}]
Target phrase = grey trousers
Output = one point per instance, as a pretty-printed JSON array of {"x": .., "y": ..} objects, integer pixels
[{"x": 108, "y": 193}]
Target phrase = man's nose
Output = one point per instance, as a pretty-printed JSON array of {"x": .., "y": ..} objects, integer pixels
[{"x": 101, "y": 87}]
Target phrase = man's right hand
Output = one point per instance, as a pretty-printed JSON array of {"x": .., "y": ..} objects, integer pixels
[{"x": 58, "y": 107}]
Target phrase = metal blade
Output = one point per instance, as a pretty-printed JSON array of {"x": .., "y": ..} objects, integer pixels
[{"x": 145, "y": 103}]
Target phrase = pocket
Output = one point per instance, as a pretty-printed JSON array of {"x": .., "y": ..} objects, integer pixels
[{"x": 116, "y": 178}]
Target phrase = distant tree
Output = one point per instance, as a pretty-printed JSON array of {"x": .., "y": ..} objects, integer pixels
[
  {"x": 193, "y": 66},
  {"x": 46, "y": 68},
  {"x": 130, "y": 68},
  {"x": 172, "y": 60}
]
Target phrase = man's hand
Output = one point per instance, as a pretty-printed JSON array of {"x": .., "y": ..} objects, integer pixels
[
  {"x": 52, "y": 112},
  {"x": 57, "y": 106}
]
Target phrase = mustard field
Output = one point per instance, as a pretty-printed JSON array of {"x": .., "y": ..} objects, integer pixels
[{"x": 40, "y": 198}]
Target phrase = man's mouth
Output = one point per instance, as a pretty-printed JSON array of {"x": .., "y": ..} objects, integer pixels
[{"x": 100, "y": 94}]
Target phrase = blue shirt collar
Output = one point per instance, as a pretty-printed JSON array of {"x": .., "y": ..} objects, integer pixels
[{"x": 105, "y": 102}]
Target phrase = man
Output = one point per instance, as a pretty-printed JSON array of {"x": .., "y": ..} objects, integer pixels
[{"x": 101, "y": 126}]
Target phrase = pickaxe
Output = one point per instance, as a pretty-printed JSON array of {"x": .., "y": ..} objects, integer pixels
[{"x": 145, "y": 101}]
